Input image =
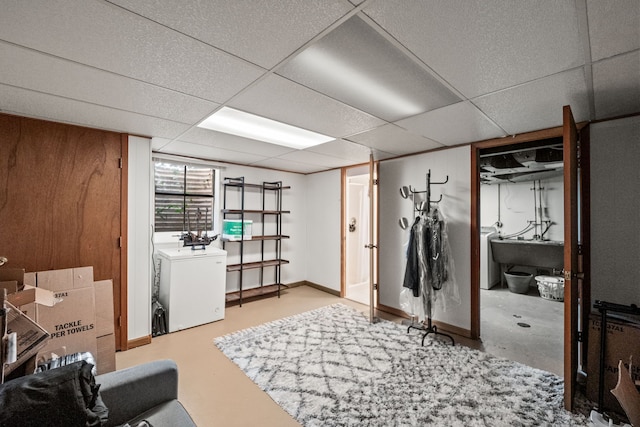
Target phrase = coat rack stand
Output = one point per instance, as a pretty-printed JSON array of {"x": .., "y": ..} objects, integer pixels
[{"x": 425, "y": 205}]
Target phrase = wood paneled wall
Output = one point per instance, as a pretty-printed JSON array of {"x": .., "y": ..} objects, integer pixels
[{"x": 60, "y": 199}]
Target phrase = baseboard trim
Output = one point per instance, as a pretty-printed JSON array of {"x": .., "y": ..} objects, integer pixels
[
  {"x": 318, "y": 287},
  {"x": 138, "y": 342},
  {"x": 296, "y": 284},
  {"x": 441, "y": 325}
]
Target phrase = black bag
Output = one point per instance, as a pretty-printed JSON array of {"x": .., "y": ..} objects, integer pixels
[
  {"x": 66, "y": 396},
  {"x": 159, "y": 323}
]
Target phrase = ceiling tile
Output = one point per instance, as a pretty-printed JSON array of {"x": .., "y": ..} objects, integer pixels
[
  {"x": 543, "y": 106},
  {"x": 480, "y": 47},
  {"x": 394, "y": 139},
  {"x": 108, "y": 37},
  {"x": 44, "y": 73},
  {"x": 356, "y": 153},
  {"x": 614, "y": 27},
  {"x": 158, "y": 143},
  {"x": 212, "y": 138},
  {"x": 456, "y": 124},
  {"x": 355, "y": 64},
  {"x": 264, "y": 33},
  {"x": 304, "y": 156},
  {"x": 288, "y": 165},
  {"x": 211, "y": 153},
  {"x": 48, "y": 107},
  {"x": 616, "y": 85},
  {"x": 283, "y": 100}
]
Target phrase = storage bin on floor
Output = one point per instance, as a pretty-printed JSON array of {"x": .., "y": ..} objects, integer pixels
[
  {"x": 551, "y": 287},
  {"x": 518, "y": 281}
]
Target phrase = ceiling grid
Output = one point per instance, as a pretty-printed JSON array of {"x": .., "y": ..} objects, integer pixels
[{"x": 389, "y": 77}]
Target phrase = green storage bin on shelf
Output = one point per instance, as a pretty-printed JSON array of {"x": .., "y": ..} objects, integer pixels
[{"x": 232, "y": 229}]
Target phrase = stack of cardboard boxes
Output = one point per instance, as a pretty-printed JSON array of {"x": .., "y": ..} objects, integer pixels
[
  {"x": 76, "y": 312},
  {"x": 622, "y": 344}
]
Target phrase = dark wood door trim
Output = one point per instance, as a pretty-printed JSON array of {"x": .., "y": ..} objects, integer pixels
[
  {"x": 475, "y": 242},
  {"x": 585, "y": 239},
  {"x": 570, "y": 137}
]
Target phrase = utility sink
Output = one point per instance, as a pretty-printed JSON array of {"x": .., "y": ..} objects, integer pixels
[{"x": 534, "y": 253}]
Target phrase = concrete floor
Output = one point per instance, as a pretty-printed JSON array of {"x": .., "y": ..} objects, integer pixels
[{"x": 540, "y": 345}]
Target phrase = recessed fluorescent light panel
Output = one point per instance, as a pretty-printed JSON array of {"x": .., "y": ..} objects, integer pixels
[
  {"x": 246, "y": 125},
  {"x": 357, "y": 65}
]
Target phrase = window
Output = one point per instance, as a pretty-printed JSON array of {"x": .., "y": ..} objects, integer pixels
[{"x": 184, "y": 196}]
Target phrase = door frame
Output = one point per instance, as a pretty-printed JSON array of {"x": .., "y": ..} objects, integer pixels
[
  {"x": 373, "y": 221},
  {"x": 577, "y": 226},
  {"x": 584, "y": 289}
]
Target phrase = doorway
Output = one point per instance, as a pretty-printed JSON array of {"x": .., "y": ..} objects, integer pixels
[
  {"x": 357, "y": 225},
  {"x": 521, "y": 202},
  {"x": 576, "y": 220}
]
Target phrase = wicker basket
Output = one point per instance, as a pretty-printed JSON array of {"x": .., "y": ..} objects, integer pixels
[{"x": 551, "y": 288}]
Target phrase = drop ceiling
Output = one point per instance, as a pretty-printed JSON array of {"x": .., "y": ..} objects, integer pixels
[{"x": 388, "y": 77}]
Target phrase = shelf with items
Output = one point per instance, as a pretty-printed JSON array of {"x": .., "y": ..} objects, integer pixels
[
  {"x": 254, "y": 237},
  {"x": 270, "y": 219},
  {"x": 255, "y": 211}
]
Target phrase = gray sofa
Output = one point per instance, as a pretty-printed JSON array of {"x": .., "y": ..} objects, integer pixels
[{"x": 144, "y": 392}]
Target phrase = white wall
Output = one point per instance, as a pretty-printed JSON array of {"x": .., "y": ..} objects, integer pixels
[
  {"x": 615, "y": 211},
  {"x": 455, "y": 205},
  {"x": 139, "y": 238},
  {"x": 323, "y": 228},
  {"x": 513, "y": 204}
]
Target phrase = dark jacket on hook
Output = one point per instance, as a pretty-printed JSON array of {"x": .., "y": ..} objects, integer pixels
[{"x": 412, "y": 272}]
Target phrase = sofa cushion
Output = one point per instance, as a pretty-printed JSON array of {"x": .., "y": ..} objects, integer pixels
[
  {"x": 65, "y": 396},
  {"x": 171, "y": 413}
]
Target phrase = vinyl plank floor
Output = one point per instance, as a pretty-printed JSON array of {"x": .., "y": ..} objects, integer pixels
[{"x": 216, "y": 392}]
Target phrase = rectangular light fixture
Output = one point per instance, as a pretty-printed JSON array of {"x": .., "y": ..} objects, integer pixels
[
  {"x": 357, "y": 65},
  {"x": 235, "y": 122}
]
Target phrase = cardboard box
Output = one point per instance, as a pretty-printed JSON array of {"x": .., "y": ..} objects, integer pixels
[
  {"x": 29, "y": 294},
  {"x": 12, "y": 274},
  {"x": 104, "y": 307},
  {"x": 71, "y": 323},
  {"x": 623, "y": 341},
  {"x": 10, "y": 285},
  {"x": 69, "y": 278},
  {"x": 30, "y": 279},
  {"x": 76, "y": 312},
  {"x": 106, "y": 357},
  {"x": 31, "y": 337}
]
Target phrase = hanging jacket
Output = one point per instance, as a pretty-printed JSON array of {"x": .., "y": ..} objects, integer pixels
[
  {"x": 437, "y": 256},
  {"x": 411, "y": 272}
]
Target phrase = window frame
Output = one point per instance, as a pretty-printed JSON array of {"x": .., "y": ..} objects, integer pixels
[{"x": 174, "y": 236}]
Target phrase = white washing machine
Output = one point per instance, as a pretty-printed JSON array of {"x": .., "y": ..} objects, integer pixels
[
  {"x": 192, "y": 286},
  {"x": 489, "y": 269}
]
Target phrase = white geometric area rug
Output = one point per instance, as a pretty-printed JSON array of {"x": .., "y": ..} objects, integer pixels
[{"x": 331, "y": 367}]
